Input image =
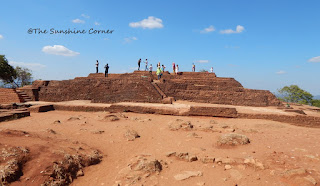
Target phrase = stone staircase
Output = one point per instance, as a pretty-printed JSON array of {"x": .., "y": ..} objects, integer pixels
[
  {"x": 23, "y": 96},
  {"x": 155, "y": 85}
]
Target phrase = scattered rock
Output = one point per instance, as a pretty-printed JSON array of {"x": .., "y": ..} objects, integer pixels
[
  {"x": 187, "y": 174},
  {"x": 73, "y": 118},
  {"x": 233, "y": 139},
  {"x": 80, "y": 173},
  {"x": 131, "y": 135},
  {"x": 111, "y": 117},
  {"x": 180, "y": 124},
  {"x": 57, "y": 122},
  {"x": 201, "y": 183},
  {"x": 207, "y": 159},
  {"x": 167, "y": 100},
  {"x": 51, "y": 131},
  {"x": 169, "y": 154},
  {"x": 294, "y": 172},
  {"x": 225, "y": 160},
  {"x": 139, "y": 168},
  {"x": 185, "y": 156},
  {"x": 253, "y": 162},
  {"x": 97, "y": 131},
  {"x": 227, "y": 167},
  {"x": 192, "y": 134}
]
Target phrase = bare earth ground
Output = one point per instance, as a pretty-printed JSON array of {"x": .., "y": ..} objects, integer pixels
[{"x": 278, "y": 153}]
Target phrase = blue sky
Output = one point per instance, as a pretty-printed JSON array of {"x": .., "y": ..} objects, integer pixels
[{"x": 264, "y": 44}]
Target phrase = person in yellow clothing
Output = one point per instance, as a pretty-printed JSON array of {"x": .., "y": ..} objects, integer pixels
[{"x": 159, "y": 72}]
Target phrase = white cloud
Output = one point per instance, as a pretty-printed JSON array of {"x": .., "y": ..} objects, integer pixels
[
  {"x": 130, "y": 39},
  {"x": 78, "y": 21},
  {"x": 1, "y": 37},
  {"x": 207, "y": 30},
  {"x": 32, "y": 66},
  {"x": 97, "y": 23},
  {"x": 202, "y": 61},
  {"x": 85, "y": 16},
  {"x": 281, "y": 72},
  {"x": 106, "y": 39},
  {"x": 59, "y": 50},
  {"x": 315, "y": 59},
  {"x": 238, "y": 30},
  {"x": 151, "y": 22}
]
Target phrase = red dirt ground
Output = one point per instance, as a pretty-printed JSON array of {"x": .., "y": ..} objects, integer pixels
[{"x": 289, "y": 154}]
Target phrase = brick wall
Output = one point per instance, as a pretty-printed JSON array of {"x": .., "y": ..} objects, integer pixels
[{"x": 8, "y": 95}]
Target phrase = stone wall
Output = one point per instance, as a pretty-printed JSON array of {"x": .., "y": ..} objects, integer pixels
[
  {"x": 138, "y": 87},
  {"x": 8, "y": 95}
]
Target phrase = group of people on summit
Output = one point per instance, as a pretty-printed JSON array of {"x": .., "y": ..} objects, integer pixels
[{"x": 159, "y": 71}]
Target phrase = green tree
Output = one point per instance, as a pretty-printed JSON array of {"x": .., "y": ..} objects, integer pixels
[
  {"x": 7, "y": 72},
  {"x": 295, "y": 94},
  {"x": 316, "y": 102},
  {"x": 24, "y": 76}
]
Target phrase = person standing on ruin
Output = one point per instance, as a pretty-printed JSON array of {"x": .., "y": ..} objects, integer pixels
[
  {"x": 177, "y": 69},
  {"x": 159, "y": 72},
  {"x": 163, "y": 68},
  {"x": 211, "y": 69},
  {"x": 97, "y": 66},
  {"x": 193, "y": 67},
  {"x": 106, "y": 71},
  {"x": 173, "y": 67},
  {"x": 139, "y": 64},
  {"x": 146, "y": 65},
  {"x": 150, "y": 69}
]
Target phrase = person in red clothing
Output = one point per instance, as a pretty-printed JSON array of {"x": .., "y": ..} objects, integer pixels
[{"x": 173, "y": 67}]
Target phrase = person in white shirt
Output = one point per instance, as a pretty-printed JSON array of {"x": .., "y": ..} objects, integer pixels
[
  {"x": 150, "y": 68},
  {"x": 177, "y": 69},
  {"x": 146, "y": 64},
  {"x": 97, "y": 66},
  {"x": 211, "y": 69}
]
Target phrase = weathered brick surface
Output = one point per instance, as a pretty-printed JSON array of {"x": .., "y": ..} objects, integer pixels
[
  {"x": 138, "y": 87},
  {"x": 8, "y": 95},
  {"x": 299, "y": 120},
  {"x": 213, "y": 111}
]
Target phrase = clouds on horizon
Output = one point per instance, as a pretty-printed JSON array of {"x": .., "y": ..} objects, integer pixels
[
  {"x": 281, "y": 72},
  {"x": 315, "y": 60},
  {"x": 150, "y": 23},
  {"x": 130, "y": 39},
  {"x": 78, "y": 21},
  {"x": 85, "y": 16},
  {"x": 208, "y": 30},
  {"x": 32, "y": 66},
  {"x": 238, "y": 30},
  {"x": 59, "y": 50}
]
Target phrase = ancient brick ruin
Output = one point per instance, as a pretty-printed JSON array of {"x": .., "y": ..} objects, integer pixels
[{"x": 141, "y": 86}]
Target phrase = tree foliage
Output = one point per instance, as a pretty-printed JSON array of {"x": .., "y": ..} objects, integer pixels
[
  {"x": 295, "y": 94},
  {"x": 316, "y": 102},
  {"x": 15, "y": 76},
  {"x": 24, "y": 76},
  {"x": 7, "y": 72}
]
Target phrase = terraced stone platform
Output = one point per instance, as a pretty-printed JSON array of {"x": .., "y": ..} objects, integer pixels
[{"x": 142, "y": 86}]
